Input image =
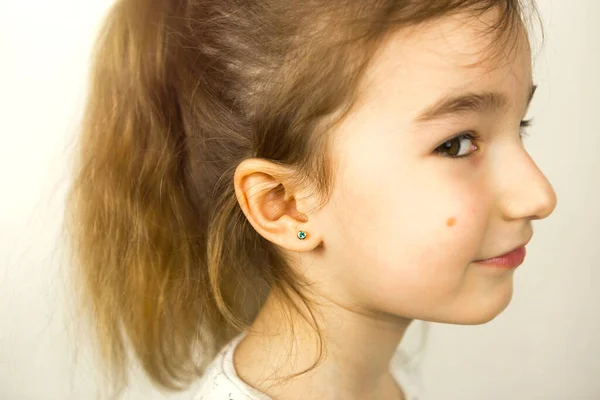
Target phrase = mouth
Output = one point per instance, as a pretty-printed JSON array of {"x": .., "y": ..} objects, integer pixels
[
  {"x": 512, "y": 259},
  {"x": 509, "y": 260}
]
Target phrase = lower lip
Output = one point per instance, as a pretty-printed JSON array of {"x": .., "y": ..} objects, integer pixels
[{"x": 510, "y": 260}]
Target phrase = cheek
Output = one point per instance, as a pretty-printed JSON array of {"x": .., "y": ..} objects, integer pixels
[
  {"x": 403, "y": 232},
  {"x": 451, "y": 233},
  {"x": 416, "y": 246}
]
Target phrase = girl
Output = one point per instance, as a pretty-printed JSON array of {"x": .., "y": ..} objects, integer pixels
[{"x": 269, "y": 192}]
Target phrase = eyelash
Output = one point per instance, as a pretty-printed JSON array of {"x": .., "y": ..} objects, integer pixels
[{"x": 475, "y": 137}]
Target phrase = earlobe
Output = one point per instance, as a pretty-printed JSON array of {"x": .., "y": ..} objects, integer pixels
[{"x": 271, "y": 207}]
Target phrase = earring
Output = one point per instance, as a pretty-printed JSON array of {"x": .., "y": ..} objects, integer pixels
[{"x": 301, "y": 235}]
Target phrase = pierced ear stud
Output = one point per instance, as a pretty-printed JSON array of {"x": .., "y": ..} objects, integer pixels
[{"x": 301, "y": 235}]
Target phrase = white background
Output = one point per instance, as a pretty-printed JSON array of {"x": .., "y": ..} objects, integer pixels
[{"x": 546, "y": 344}]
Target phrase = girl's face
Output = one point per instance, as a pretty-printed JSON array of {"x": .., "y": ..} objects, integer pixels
[{"x": 406, "y": 222}]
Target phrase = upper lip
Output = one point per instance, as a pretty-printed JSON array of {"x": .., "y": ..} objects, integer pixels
[{"x": 510, "y": 251}]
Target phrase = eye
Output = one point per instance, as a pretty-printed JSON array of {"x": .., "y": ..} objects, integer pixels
[{"x": 459, "y": 146}]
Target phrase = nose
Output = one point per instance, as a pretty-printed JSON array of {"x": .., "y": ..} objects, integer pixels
[{"x": 525, "y": 193}]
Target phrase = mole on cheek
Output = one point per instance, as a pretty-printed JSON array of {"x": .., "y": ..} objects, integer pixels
[{"x": 451, "y": 221}]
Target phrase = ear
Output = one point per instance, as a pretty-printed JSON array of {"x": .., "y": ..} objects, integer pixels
[{"x": 275, "y": 209}]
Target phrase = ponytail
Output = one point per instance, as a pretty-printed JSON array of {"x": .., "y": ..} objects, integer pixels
[{"x": 138, "y": 240}]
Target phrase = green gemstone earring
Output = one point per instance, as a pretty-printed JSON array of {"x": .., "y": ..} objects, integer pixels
[{"x": 301, "y": 235}]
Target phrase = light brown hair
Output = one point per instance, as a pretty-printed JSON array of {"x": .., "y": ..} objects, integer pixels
[{"x": 181, "y": 92}]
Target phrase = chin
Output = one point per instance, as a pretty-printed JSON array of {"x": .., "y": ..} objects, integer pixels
[
  {"x": 485, "y": 312},
  {"x": 475, "y": 312},
  {"x": 480, "y": 319}
]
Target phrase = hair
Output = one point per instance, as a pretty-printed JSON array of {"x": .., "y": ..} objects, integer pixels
[{"x": 182, "y": 91}]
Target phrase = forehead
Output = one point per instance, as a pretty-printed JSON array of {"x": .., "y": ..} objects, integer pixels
[{"x": 452, "y": 53}]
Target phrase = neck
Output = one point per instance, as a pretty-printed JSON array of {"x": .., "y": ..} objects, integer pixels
[{"x": 357, "y": 347}]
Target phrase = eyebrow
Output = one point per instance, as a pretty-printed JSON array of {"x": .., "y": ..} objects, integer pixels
[{"x": 469, "y": 102}]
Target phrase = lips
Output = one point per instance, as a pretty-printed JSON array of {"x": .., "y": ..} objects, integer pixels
[
  {"x": 509, "y": 260},
  {"x": 509, "y": 252}
]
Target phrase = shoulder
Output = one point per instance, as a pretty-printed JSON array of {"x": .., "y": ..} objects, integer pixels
[
  {"x": 220, "y": 380},
  {"x": 215, "y": 384}
]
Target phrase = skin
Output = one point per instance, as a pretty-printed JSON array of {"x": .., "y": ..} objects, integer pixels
[{"x": 399, "y": 237}]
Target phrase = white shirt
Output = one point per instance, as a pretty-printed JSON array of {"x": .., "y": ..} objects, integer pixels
[{"x": 221, "y": 382}]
